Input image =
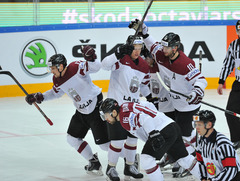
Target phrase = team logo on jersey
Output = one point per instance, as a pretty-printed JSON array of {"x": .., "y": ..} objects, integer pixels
[
  {"x": 211, "y": 168},
  {"x": 34, "y": 56},
  {"x": 238, "y": 68},
  {"x": 73, "y": 93},
  {"x": 134, "y": 85},
  {"x": 155, "y": 86}
]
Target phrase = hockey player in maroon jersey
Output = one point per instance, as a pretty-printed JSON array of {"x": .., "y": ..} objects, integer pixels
[
  {"x": 129, "y": 77},
  {"x": 159, "y": 132},
  {"x": 180, "y": 74},
  {"x": 215, "y": 152},
  {"x": 74, "y": 80}
]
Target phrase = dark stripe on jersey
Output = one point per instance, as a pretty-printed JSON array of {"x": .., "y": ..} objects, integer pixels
[{"x": 229, "y": 61}]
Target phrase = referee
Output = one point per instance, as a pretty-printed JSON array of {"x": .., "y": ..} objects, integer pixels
[
  {"x": 231, "y": 61},
  {"x": 218, "y": 161}
]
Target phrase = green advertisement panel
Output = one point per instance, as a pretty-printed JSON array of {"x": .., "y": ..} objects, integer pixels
[{"x": 22, "y": 14}]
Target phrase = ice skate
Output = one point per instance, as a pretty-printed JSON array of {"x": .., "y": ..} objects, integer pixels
[
  {"x": 112, "y": 174},
  {"x": 179, "y": 172},
  {"x": 137, "y": 162},
  {"x": 131, "y": 171},
  {"x": 94, "y": 167},
  {"x": 166, "y": 162}
]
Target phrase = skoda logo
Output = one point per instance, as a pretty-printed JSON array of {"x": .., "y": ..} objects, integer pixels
[{"x": 35, "y": 55}]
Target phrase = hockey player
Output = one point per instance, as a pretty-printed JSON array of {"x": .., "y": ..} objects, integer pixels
[
  {"x": 180, "y": 74},
  {"x": 160, "y": 134},
  {"x": 231, "y": 61},
  {"x": 74, "y": 80},
  {"x": 215, "y": 153},
  {"x": 129, "y": 77}
]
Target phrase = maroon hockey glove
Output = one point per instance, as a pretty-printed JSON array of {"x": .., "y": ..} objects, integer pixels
[
  {"x": 36, "y": 97},
  {"x": 123, "y": 50},
  {"x": 89, "y": 53},
  {"x": 156, "y": 139},
  {"x": 196, "y": 95}
]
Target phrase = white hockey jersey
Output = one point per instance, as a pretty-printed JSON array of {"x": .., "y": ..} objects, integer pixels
[
  {"x": 140, "y": 119},
  {"x": 157, "y": 90},
  {"x": 180, "y": 76},
  {"x": 127, "y": 79},
  {"x": 77, "y": 84}
]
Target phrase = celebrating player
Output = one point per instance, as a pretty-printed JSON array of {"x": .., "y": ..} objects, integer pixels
[
  {"x": 129, "y": 76},
  {"x": 159, "y": 132},
  {"x": 74, "y": 80},
  {"x": 180, "y": 74},
  {"x": 231, "y": 61},
  {"x": 215, "y": 153}
]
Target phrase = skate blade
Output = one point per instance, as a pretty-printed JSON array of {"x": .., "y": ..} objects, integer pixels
[
  {"x": 95, "y": 172},
  {"x": 128, "y": 178}
]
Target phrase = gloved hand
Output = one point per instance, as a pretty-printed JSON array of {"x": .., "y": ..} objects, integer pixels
[
  {"x": 135, "y": 24},
  {"x": 154, "y": 100},
  {"x": 89, "y": 53},
  {"x": 156, "y": 139},
  {"x": 196, "y": 95},
  {"x": 123, "y": 50},
  {"x": 35, "y": 97}
]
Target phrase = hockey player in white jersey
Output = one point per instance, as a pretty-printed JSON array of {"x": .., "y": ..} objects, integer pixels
[
  {"x": 129, "y": 77},
  {"x": 159, "y": 132},
  {"x": 215, "y": 152},
  {"x": 180, "y": 74},
  {"x": 74, "y": 80}
]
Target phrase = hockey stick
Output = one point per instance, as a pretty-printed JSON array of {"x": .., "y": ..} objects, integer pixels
[
  {"x": 200, "y": 69},
  {"x": 35, "y": 104},
  {"x": 188, "y": 97},
  {"x": 200, "y": 61},
  {"x": 142, "y": 20}
]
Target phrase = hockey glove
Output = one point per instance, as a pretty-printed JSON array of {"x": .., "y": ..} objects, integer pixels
[
  {"x": 89, "y": 53},
  {"x": 153, "y": 100},
  {"x": 135, "y": 24},
  {"x": 156, "y": 139},
  {"x": 123, "y": 50},
  {"x": 36, "y": 97},
  {"x": 196, "y": 96}
]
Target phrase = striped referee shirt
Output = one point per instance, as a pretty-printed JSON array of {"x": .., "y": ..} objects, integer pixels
[
  {"x": 217, "y": 158},
  {"x": 231, "y": 60}
]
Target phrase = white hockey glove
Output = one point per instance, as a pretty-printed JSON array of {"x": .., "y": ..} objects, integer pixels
[
  {"x": 135, "y": 24},
  {"x": 196, "y": 95},
  {"x": 156, "y": 139}
]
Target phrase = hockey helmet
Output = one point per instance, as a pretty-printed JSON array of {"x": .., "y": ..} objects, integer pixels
[
  {"x": 108, "y": 106},
  {"x": 171, "y": 40},
  {"x": 137, "y": 40},
  {"x": 238, "y": 25},
  {"x": 205, "y": 116},
  {"x": 56, "y": 60}
]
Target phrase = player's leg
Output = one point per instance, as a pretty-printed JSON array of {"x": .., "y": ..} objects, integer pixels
[
  {"x": 77, "y": 131},
  {"x": 184, "y": 120},
  {"x": 152, "y": 170},
  {"x": 131, "y": 165},
  {"x": 233, "y": 121},
  {"x": 179, "y": 153},
  {"x": 117, "y": 135},
  {"x": 170, "y": 135}
]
